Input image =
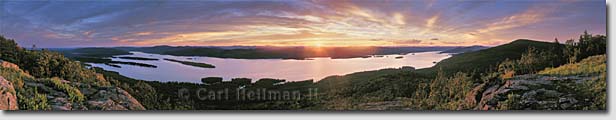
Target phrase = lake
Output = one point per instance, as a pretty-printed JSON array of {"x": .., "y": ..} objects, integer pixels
[{"x": 289, "y": 69}]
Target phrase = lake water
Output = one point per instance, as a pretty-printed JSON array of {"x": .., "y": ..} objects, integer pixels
[{"x": 289, "y": 69}]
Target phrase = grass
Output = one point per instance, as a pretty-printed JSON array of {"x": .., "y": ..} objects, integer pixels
[
  {"x": 196, "y": 64},
  {"x": 74, "y": 95},
  {"x": 590, "y": 65}
]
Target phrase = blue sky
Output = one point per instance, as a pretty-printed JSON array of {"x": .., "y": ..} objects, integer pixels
[{"x": 297, "y": 22}]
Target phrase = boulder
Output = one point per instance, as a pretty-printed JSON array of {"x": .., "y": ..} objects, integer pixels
[
  {"x": 534, "y": 92},
  {"x": 487, "y": 97},
  {"x": 60, "y": 103},
  {"x": 471, "y": 98},
  {"x": 114, "y": 98},
  {"x": 6, "y": 64},
  {"x": 8, "y": 99}
]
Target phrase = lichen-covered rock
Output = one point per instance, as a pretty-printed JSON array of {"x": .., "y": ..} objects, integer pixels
[
  {"x": 113, "y": 98},
  {"x": 8, "y": 99},
  {"x": 471, "y": 97},
  {"x": 8, "y": 65},
  {"x": 488, "y": 95},
  {"x": 535, "y": 92},
  {"x": 60, "y": 103}
]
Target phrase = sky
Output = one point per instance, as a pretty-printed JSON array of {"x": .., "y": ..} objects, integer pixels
[{"x": 297, "y": 22}]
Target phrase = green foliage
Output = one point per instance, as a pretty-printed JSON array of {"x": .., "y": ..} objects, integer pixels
[
  {"x": 27, "y": 97},
  {"x": 530, "y": 62},
  {"x": 534, "y": 60},
  {"x": 590, "y": 65},
  {"x": 587, "y": 45},
  {"x": 36, "y": 102},
  {"x": 597, "y": 92},
  {"x": 74, "y": 95},
  {"x": 345, "y": 92},
  {"x": 9, "y": 49},
  {"x": 442, "y": 93},
  {"x": 47, "y": 64},
  {"x": 145, "y": 93},
  {"x": 487, "y": 59}
]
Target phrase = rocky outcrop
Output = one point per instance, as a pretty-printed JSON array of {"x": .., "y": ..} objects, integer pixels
[
  {"x": 6, "y": 64},
  {"x": 95, "y": 97},
  {"x": 471, "y": 97},
  {"x": 99, "y": 98},
  {"x": 534, "y": 92},
  {"x": 8, "y": 99},
  {"x": 113, "y": 98}
]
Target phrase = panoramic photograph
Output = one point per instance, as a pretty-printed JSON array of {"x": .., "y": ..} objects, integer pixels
[{"x": 304, "y": 55}]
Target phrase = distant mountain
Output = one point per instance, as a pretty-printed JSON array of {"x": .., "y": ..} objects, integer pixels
[
  {"x": 459, "y": 50},
  {"x": 411, "y": 49},
  {"x": 276, "y": 52},
  {"x": 92, "y": 52}
]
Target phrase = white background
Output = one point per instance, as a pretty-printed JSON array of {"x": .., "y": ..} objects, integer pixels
[{"x": 357, "y": 115}]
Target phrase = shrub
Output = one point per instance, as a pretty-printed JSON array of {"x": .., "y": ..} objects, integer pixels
[
  {"x": 268, "y": 82},
  {"x": 590, "y": 65},
  {"x": 211, "y": 80},
  {"x": 241, "y": 81},
  {"x": 74, "y": 95},
  {"x": 35, "y": 102}
]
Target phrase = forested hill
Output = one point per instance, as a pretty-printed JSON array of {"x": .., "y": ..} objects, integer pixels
[{"x": 486, "y": 59}]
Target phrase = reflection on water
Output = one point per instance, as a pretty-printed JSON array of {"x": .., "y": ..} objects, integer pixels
[{"x": 291, "y": 70}]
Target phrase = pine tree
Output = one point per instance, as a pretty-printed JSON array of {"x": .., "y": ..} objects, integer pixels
[{"x": 556, "y": 41}]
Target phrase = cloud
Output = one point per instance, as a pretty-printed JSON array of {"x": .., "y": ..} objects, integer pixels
[
  {"x": 431, "y": 21},
  {"x": 349, "y": 22},
  {"x": 406, "y": 42},
  {"x": 526, "y": 18}
]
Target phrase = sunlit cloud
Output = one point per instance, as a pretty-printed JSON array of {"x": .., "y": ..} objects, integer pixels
[
  {"x": 398, "y": 18},
  {"x": 517, "y": 20},
  {"x": 431, "y": 21}
]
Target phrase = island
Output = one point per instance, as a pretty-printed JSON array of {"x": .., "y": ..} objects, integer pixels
[
  {"x": 196, "y": 64},
  {"x": 138, "y": 58}
]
